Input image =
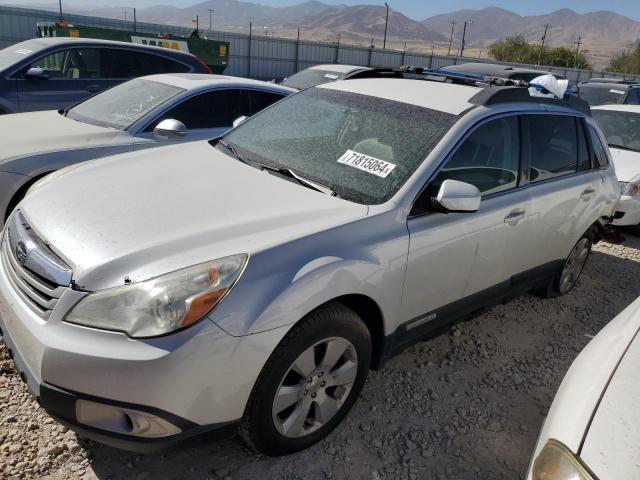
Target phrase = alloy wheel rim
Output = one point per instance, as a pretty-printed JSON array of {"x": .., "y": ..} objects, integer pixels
[
  {"x": 574, "y": 265},
  {"x": 315, "y": 387}
]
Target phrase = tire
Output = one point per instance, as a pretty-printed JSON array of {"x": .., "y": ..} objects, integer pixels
[
  {"x": 564, "y": 282},
  {"x": 307, "y": 408}
]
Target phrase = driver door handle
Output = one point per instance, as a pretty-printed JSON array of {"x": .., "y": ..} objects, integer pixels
[
  {"x": 515, "y": 216},
  {"x": 587, "y": 193}
]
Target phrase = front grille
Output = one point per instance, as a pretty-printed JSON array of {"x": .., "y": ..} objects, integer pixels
[{"x": 40, "y": 294}]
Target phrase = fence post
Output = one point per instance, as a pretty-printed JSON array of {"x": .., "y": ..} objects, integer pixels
[
  {"x": 249, "y": 51},
  {"x": 370, "y": 53},
  {"x": 404, "y": 54},
  {"x": 297, "y": 50}
]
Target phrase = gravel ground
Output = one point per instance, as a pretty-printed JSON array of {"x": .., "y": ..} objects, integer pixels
[{"x": 465, "y": 405}]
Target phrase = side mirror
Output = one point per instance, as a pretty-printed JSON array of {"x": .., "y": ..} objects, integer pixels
[
  {"x": 239, "y": 121},
  {"x": 456, "y": 196},
  {"x": 37, "y": 73},
  {"x": 170, "y": 128}
]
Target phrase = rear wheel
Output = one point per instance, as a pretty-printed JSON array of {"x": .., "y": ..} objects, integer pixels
[
  {"x": 309, "y": 383},
  {"x": 573, "y": 266}
]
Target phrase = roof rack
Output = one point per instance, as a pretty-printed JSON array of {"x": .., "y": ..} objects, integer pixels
[{"x": 498, "y": 89}]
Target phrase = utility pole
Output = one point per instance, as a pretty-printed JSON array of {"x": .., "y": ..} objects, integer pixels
[
  {"x": 578, "y": 43},
  {"x": 464, "y": 34},
  {"x": 386, "y": 22},
  {"x": 404, "y": 53},
  {"x": 134, "y": 19},
  {"x": 249, "y": 50},
  {"x": 210, "y": 23},
  {"x": 297, "y": 49},
  {"x": 337, "y": 48},
  {"x": 60, "y": 5},
  {"x": 544, "y": 37},
  {"x": 125, "y": 15},
  {"x": 453, "y": 24}
]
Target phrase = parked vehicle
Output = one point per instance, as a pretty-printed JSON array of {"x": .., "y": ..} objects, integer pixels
[
  {"x": 320, "y": 74},
  {"x": 621, "y": 127},
  {"x": 141, "y": 113},
  {"x": 497, "y": 70},
  {"x": 610, "y": 94},
  {"x": 254, "y": 280},
  {"x": 54, "y": 73},
  {"x": 591, "y": 430},
  {"x": 214, "y": 53}
]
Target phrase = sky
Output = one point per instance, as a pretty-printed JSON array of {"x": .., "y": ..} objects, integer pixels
[{"x": 417, "y": 9}]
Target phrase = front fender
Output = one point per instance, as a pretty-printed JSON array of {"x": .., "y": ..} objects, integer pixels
[{"x": 282, "y": 285}]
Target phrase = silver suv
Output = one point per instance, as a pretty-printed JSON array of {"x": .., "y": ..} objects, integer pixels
[{"x": 252, "y": 281}]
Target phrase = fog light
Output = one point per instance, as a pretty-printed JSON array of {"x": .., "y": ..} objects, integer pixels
[{"x": 123, "y": 420}]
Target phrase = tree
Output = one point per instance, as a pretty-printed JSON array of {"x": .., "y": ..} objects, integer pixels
[
  {"x": 517, "y": 50},
  {"x": 626, "y": 62}
]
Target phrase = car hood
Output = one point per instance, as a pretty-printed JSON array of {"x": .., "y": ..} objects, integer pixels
[
  {"x": 38, "y": 132},
  {"x": 627, "y": 164},
  {"x": 612, "y": 444},
  {"x": 142, "y": 214}
]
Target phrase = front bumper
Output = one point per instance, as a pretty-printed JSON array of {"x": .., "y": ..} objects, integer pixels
[
  {"x": 62, "y": 405},
  {"x": 627, "y": 211},
  {"x": 190, "y": 382}
]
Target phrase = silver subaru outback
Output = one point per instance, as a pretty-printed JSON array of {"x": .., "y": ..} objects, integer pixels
[{"x": 252, "y": 281}]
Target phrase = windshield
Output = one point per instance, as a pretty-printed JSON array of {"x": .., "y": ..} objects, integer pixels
[
  {"x": 311, "y": 78},
  {"x": 364, "y": 148},
  {"x": 15, "y": 53},
  {"x": 622, "y": 129},
  {"x": 602, "y": 95},
  {"x": 124, "y": 104}
]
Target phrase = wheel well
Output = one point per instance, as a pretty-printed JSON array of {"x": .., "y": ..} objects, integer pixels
[
  {"x": 19, "y": 195},
  {"x": 370, "y": 313},
  {"x": 595, "y": 232}
]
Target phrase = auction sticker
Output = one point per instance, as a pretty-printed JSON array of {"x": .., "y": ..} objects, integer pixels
[{"x": 366, "y": 163}]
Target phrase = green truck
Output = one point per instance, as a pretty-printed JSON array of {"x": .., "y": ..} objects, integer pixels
[{"x": 212, "y": 52}]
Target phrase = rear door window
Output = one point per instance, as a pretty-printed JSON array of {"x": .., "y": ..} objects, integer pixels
[
  {"x": 130, "y": 64},
  {"x": 259, "y": 100},
  {"x": 552, "y": 146},
  {"x": 489, "y": 158},
  {"x": 600, "y": 158}
]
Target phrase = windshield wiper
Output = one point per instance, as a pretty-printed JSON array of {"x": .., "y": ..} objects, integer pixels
[
  {"x": 623, "y": 147},
  {"x": 280, "y": 170}
]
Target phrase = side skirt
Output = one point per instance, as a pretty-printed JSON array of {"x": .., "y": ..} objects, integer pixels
[{"x": 439, "y": 321}]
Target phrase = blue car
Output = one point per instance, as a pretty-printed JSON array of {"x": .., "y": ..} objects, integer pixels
[{"x": 55, "y": 73}]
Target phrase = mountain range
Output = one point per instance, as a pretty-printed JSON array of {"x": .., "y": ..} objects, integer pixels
[{"x": 602, "y": 33}]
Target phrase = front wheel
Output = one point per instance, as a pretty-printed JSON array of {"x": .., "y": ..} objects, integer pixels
[
  {"x": 571, "y": 270},
  {"x": 309, "y": 383}
]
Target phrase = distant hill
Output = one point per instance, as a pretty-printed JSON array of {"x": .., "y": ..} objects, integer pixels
[{"x": 603, "y": 33}]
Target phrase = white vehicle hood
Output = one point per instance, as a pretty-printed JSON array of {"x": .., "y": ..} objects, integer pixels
[
  {"x": 612, "y": 445},
  {"x": 38, "y": 132},
  {"x": 143, "y": 214},
  {"x": 627, "y": 164}
]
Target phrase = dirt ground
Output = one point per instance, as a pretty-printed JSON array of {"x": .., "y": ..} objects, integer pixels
[{"x": 465, "y": 405}]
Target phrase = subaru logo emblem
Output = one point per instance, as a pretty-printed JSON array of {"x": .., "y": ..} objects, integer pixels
[{"x": 21, "y": 252}]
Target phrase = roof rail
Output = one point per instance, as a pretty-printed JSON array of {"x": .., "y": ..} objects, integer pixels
[{"x": 492, "y": 96}]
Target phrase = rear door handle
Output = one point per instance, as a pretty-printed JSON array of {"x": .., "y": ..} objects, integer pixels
[
  {"x": 515, "y": 216},
  {"x": 587, "y": 193}
]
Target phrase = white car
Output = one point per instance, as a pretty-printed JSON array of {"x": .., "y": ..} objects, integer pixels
[
  {"x": 621, "y": 126},
  {"x": 592, "y": 429},
  {"x": 145, "y": 112},
  {"x": 319, "y": 74}
]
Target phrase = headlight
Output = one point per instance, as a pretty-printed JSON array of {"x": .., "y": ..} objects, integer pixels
[
  {"x": 556, "y": 462},
  {"x": 632, "y": 189},
  {"x": 162, "y": 304}
]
